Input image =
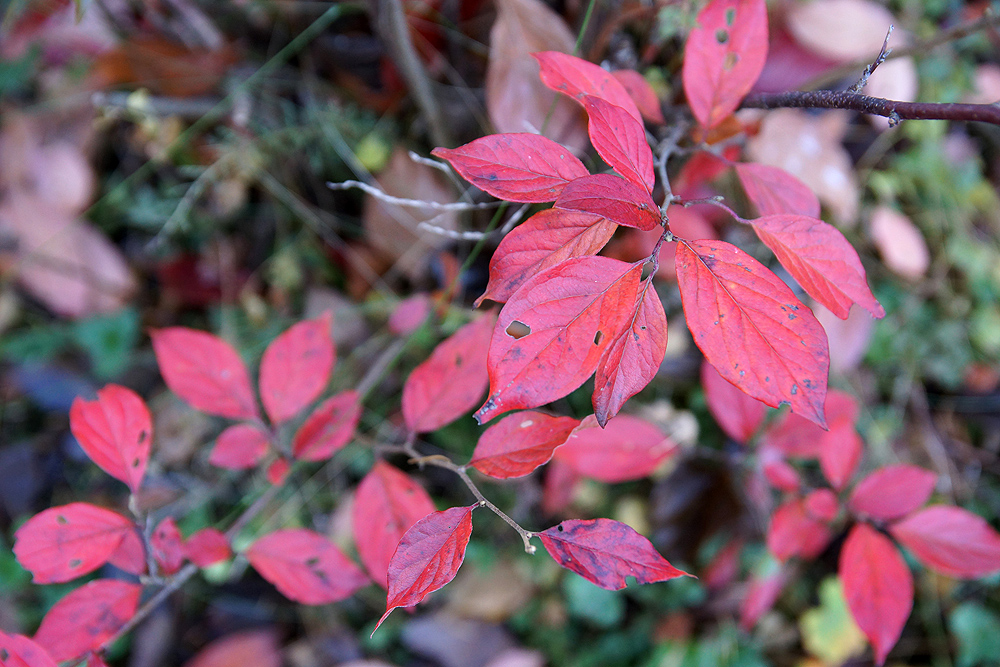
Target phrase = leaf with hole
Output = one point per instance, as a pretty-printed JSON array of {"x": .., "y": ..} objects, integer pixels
[
  {"x": 611, "y": 197},
  {"x": 518, "y": 167},
  {"x": 428, "y": 557},
  {"x": 751, "y": 327},
  {"x": 305, "y": 566},
  {"x": 87, "y": 617},
  {"x": 723, "y": 57},
  {"x": 115, "y": 431},
  {"x": 452, "y": 380},
  {"x": 63, "y": 543},
  {"x": 296, "y": 367},
  {"x": 572, "y": 312},
  {"x": 205, "y": 371},
  {"x": 604, "y": 552},
  {"x": 519, "y": 443},
  {"x": 386, "y": 504}
]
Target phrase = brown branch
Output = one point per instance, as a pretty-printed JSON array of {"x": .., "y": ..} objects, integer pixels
[{"x": 893, "y": 110}]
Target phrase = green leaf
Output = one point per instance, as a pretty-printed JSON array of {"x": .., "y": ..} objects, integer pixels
[
  {"x": 600, "y": 607},
  {"x": 109, "y": 341},
  {"x": 977, "y": 630},
  {"x": 828, "y": 631}
]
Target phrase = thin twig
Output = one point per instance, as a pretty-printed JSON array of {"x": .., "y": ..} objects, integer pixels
[
  {"x": 429, "y": 226},
  {"x": 383, "y": 196},
  {"x": 870, "y": 69},
  {"x": 430, "y": 162},
  {"x": 895, "y": 111}
]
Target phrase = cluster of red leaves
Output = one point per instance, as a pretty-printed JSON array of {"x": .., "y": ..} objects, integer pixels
[{"x": 888, "y": 502}]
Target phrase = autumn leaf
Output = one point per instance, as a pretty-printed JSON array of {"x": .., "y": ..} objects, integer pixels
[
  {"x": 611, "y": 197},
  {"x": 239, "y": 447},
  {"x": 892, "y": 492},
  {"x": 428, "y": 557},
  {"x": 621, "y": 140},
  {"x": 840, "y": 452},
  {"x": 774, "y": 191},
  {"x": 296, "y": 367},
  {"x": 115, "y": 431},
  {"x": 578, "y": 78},
  {"x": 87, "y": 617},
  {"x": 795, "y": 533},
  {"x": 751, "y": 327},
  {"x": 951, "y": 540},
  {"x": 329, "y": 428},
  {"x": 572, "y": 311},
  {"x": 604, "y": 552},
  {"x": 641, "y": 93},
  {"x": 628, "y": 448},
  {"x": 258, "y": 648},
  {"x": 207, "y": 547},
  {"x": 738, "y": 414},
  {"x": 168, "y": 546},
  {"x": 19, "y": 651},
  {"x": 519, "y": 443}
]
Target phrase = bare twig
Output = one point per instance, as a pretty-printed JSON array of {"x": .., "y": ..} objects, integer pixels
[
  {"x": 383, "y": 196},
  {"x": 870, "y": 69},
  {"x": 515, "y": 217},
  {"x": 894, "y": 110}
]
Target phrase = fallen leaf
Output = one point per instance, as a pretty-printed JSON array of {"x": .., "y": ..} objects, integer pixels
[
  {"x": 829, "y": 631},
  {"x": 900, "y": 243}
]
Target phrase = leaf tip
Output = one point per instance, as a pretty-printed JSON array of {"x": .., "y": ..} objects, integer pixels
[{"x": 377, "y": 625}]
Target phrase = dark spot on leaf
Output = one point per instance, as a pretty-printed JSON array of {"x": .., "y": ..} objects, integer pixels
[
  {"x": 76, "y": 562},
  {"x": 792, "y": 316},
  {"x": 721, "y": 36},
  {"x": 142, "y": 436},
  {"x": 312, "y": 562},
  {"x": 458, "y": 361},
  {"x": 518, "y": 330},
  {"x": 730, "y": 16},
  {"x": 643, "y": 328},
  {"x": 559, "y": 528},
  {"x": 135, "y": 463},
  {"x": 491, "y": 177},
  {"x": 795, "y": 389},
  {"x": 4, "y": 655},
  {"x": 60, "y": 519},
  {"x": 767, "y": 378},
  {"x": 598, "y": 337}
]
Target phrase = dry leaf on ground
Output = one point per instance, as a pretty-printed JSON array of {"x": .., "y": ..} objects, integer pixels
[{"x": 900, "y": 243}]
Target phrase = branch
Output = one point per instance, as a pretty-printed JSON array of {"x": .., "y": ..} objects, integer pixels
[
  {"x": 879, "y": 59},
  {"x": 893, "y": 110},
  {"x": 383, "y": 196}
]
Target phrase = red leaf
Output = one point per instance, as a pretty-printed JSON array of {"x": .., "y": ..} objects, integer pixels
[
  {"x": 612, "y": 197},
  {"x": 633, "y": 358},
  {"x": 206, "y": 547},
  {"x": 329, "y": 428},
  {"x": 840, "y": 452},
  {"x": 573, "y": 311},
  {"x": 723, "y": 57},
  {"x": 277, "y": 472},
  {"x": 258, "y": 648},
  {"x": 130, "y": 556},
  {"x": 518, "y": 167},
  {"x": 621, "y": 140},
  {"x": 560, "y": 484},
  {"x": 541, "y": 241},
  {"x": 722, "y": 570},
  {"x": 205, "y": 371},
  {"x": 751, "y": 327},
  {"x": 774, "y": 191},
  {"x": 892, "y": 492},
  {"x": 738, "y": 414},
  {"x": 428, "y": 557},
  {"x": 641, "y": 93},
  {"x": 305, "y": 567},
  {"x": 409, "y": 314},
  {"x": 878, "y": 587},
  {"x": 63, "y": 543},
  {"x": 115, "y": 431},
  {"x": 578, "y": 78},
  {"x": 19, "y": 651},
  {"x": 296, "y": 367},
  {"x": 951, "y": 540},
  {"x": 761, "y": 595},
  {"x": 168, "y": 546},
  {"x": 628, "y": 448},
  {"x": 821, "y": 260},
  {"x": 781, "y": 476},
  {"x": 604, "y": 552},
  {"x": 793, "y": 532},
  {"x": 519, "y": 443},
  {"x": 87, "y": 617},
  {"x": 239, "y": 447},
  {"x": 797, "y": 437},
  {"x": 822, "y": 505},
  {"x": 451, "y": 381},
  {"x": 386, "y": 504}
]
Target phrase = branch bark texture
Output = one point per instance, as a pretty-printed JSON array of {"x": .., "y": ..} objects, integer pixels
[{"x": 894, "y": 110}]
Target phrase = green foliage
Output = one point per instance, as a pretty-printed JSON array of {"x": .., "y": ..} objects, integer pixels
[{"x": 977, "y": 630}]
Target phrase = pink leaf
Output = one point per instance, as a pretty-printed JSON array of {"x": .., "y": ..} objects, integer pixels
[
  {"x": 633, "y": 358},
  {"x": 738, "y": 414},
  {"x": 451, "y": 381},
  {"x": 774, "y": 191},
  {"x": 409, "y": 314},
  {"x": 63, "y": 543},
  {"x": 296, "y": 367},
  {"x": 878, "y": 587},
  {"x": 611, "y": 197},
  {"x": 519, "y": 443},
  {"x": 628, "y": 448},
  {"x": 329, "y": 428},
  {"x": 560, "y": 484},
  {"x": 821, "y": 260},
  {"x": 797, "y": 437},
  {"x": 115, "y": 431},
  {"x": 793, "y": 532},
  {"x": 130, "y": 556},
  {"x": 621, "y": 140},
  {"x": 822, "y": 505},
  {"x": 305, "y": 567},
  {"x": 578, "y": 78},
  {"x": 205, "y": 371},
  {"x": 892, "y": 492},
  {"x": 19, "y": 651},
  {"x": 751, "y": 327},
  {"x": 428, "y": 557},
  {"x": 951, "y": 540},
  {"x": 517, "y": 167},
  {"x": 604, "y": 552},
  {"x": 386, "y": 504},
  {"x": 541, "y": 241},
  {"x": 168, "y": 546},
  {"x": 760, "y": 597},
  {"x": 277, "y": 472},
  {"x": 239, "y": 447},
  {"x": 206, "y": 547},
  {"x": 840, "y": 453},
  {"x": 781, "y": 475},
  {"x": 87, "y": 617},
  {"x": 256, "y": 648},
  {"x": 642, "y": 94},
  {"x": 723, "y": 57},
  {"x": 573, "y": 311}
]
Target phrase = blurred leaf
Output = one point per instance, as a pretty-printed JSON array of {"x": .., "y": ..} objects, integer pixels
[
  {"x": 601, "y": 607},
  {"x": 977, "y": 630},
  {"x": 109, "y": 341},
  {"x": 35, "y": 344},
  {"x": 829, "y": 631}
]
